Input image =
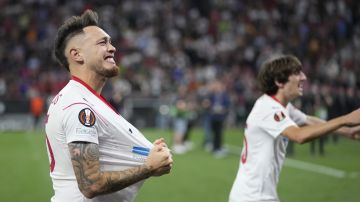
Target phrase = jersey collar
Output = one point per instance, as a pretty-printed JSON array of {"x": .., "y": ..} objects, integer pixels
[
  {"x": 85, "y": 84},
  {"x": 74, "y": 78},
  {"x": 277, "y": 100}
]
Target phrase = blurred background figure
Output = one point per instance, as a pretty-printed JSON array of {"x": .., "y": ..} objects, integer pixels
[
  {"x": 320, "y": 111},
  {"x": 219, "y": 108},
  {"x": 205, "y": 106},
  {"x": 180, "y": 113},
  {"x": 37, "y": 105},
  {"x": 117, "y": 101},
  {"x": 192, "y": 117}
]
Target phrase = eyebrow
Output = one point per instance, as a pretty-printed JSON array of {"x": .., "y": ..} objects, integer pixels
[{"x": 104, "y": 38}]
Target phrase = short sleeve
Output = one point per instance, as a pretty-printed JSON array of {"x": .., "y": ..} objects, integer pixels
[
  {"x": 296, "y": 115},
  {"x": 80, "y": 124},
  {"x": 275, "y": 122}
]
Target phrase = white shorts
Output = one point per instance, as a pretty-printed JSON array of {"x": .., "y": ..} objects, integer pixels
[{"x": 180, "y": 126}]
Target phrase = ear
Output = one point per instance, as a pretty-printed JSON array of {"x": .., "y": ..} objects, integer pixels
[
  {"x": 76, "y": 55},
  {"x": 278, "y": 84}
]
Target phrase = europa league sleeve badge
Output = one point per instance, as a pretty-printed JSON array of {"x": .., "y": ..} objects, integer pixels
[
  {"x": 279, "y": 116},
  {"x": 87, "y": 117}
]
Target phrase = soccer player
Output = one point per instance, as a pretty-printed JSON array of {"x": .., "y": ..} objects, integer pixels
[
  {"x": 271, "y": 123},
  {"x": 95, "y": 154}
]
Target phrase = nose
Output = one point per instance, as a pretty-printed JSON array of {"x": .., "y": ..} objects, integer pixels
[
  {"x": 303, "y": 76},
  {"x": 111, "y": 48}
]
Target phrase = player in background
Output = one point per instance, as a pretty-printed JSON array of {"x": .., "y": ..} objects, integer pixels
[
  {"x": 95, "y": 154},
  {"x": 272, "y": 122}
]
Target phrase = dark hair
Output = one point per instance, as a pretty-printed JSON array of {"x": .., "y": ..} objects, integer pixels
[
  {"x": 71, "y": 27},
  {"x": 279, "y": 70}
]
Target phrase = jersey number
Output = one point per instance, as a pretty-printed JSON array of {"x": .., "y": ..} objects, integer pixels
[
  {"x": 52, "y": 159},
  {"x": 245, "y": 151}
]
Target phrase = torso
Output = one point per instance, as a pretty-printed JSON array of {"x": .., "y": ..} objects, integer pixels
[
  {"x": 264, "y": 150},
  {"x": 78, "y": 114}
]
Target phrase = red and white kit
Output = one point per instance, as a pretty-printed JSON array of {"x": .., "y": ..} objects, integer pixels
[
  {"x": 264, "y": 150},
  {"x": 78, "y": 113}
]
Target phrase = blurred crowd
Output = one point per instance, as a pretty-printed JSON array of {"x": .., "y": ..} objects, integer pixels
[{"x": 164, "y": 44}]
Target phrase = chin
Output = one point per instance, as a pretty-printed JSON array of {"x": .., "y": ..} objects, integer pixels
[
  {"x": 110, "y": 72},
  {"x": 113, "y": 72}
]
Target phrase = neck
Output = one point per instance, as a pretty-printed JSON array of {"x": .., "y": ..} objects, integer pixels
[{"x": 95, "y": 81}]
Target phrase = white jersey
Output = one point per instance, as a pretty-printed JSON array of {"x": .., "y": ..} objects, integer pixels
[
  {"x": 264, "y": 150},
  {"x": 78, "y": 113}
]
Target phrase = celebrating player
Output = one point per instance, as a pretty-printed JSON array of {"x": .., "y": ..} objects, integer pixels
[
  {"x": 95, "y": 154},
  {"x": 272, "y": 122}
]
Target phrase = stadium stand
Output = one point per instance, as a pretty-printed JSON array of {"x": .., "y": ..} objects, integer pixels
[{"x": 164, "y": 43}]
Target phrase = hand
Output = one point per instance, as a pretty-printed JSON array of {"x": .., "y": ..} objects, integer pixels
[
  {"x": 160, "y": 142},
  {"x": 159, "y": 160},
  {"x": 353, "y": 118},
  {"x": 163, "y": 170},
  {"x": 355, "y": 133},
  {"x": 356, "y": 137}
]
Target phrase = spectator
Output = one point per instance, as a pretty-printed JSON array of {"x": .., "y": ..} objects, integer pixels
[
  {"x": 161, "y": 41},
  {"x": 36, "y": 107},
  {"x": 219, "y": 108}
]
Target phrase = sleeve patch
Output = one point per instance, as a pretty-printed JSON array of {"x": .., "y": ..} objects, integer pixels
[
  {"x": 279, "y": 116},
  {"x": 87, "y": 117}
]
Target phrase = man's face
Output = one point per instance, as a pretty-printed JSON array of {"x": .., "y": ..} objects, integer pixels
[
  {"x": 295, "y": 85},
  {"x": 98, "y": 52}
]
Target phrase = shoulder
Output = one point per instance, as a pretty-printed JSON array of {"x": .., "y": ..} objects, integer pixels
[
  {"x": 69, "y": 96},
  {"x": 263, "y": 108},
  {"x": 296, "y": 114},
  {"x": 267, "y": 104},
  {"x": 292, "y": 109}
]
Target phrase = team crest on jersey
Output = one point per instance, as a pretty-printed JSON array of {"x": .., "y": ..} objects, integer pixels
[
  {"x": 279, "y": 116},
  {"x": 87, "y": 117}
]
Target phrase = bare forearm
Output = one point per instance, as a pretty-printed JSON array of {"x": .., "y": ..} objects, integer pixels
[
  {"x": 92, "y": 181},
  {"x": 312, "y": 120},
  {"x": 310, "y": 132},
  {"x": 314, "y": 131},
  {"x": 347, "y": 125},
  {"x": 344, "y": 131},
  {"x": 117, "y": 180}
]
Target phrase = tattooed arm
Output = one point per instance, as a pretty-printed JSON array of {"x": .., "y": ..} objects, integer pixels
[{"x": 92, "y": 181}]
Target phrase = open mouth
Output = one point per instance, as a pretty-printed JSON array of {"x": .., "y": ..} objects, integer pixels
[
  {"x": 301, "y": 86},
  {"x": 110, "y": 59}
]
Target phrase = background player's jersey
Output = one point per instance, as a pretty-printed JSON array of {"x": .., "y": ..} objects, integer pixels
[
  {"x": 77, "y": 113},
  {"x": 264, "y": 150}
]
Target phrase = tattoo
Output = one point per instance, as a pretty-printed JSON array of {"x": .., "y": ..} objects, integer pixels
[
  {"x": 85, "y": 160},
  {"x": 92, "y": 181}
]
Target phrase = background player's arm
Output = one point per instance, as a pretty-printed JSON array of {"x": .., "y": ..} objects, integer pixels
[
  {"x": 92, "y": 181},
  {"x": 318, "y": 128}
]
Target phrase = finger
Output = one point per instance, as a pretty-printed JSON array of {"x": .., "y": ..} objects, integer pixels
[
  {"x": 170, "y": 160},
  {"x": 163, "y": 144},
  {"x": 164, "y": 149},
  {"x": 166, "y": 168},
  {"x": 164, "y": 171},
  {"x": 167, "y": 149},
  {"x": 159, "y": 141},
  {"x": 158, "y": 148}
]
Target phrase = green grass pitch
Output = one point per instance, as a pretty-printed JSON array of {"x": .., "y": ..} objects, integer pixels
[{"x": 196, "y": 176}]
